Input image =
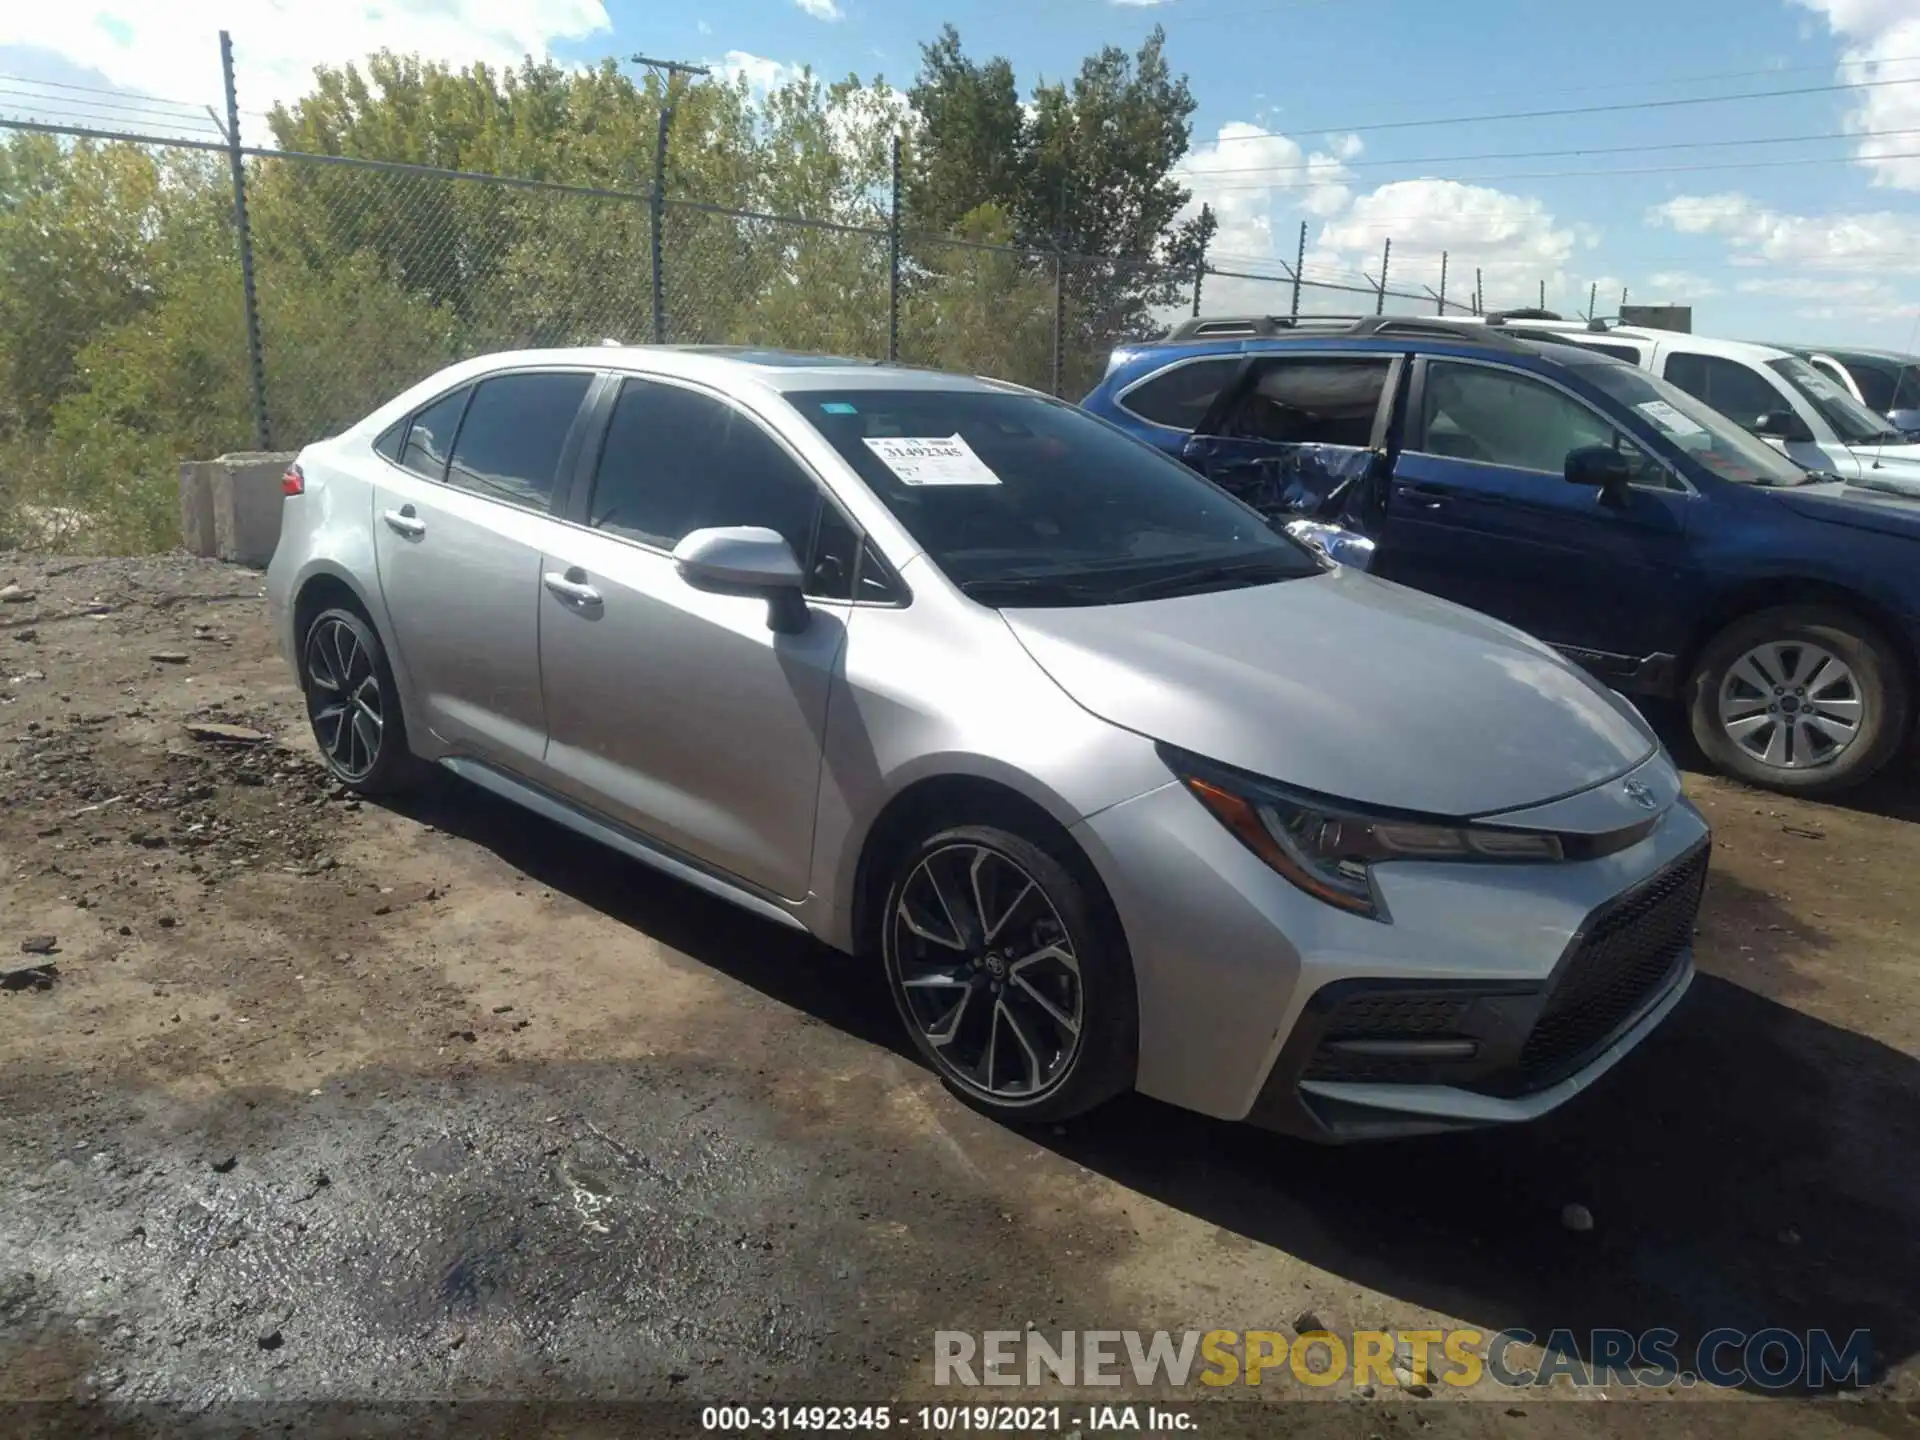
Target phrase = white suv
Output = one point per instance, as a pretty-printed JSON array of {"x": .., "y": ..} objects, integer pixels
[{"x": 1792, "y": 405}]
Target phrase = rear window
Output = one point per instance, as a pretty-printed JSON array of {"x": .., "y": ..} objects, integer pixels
[
  {"x": 1180, "y": 395},
  {"x": 1310, "y": 401}
]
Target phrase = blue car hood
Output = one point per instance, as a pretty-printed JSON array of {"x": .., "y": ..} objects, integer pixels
[{"x": 1855, "y": 506}]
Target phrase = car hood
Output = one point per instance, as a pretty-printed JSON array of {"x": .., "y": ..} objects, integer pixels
[
  {"x": 1889, "y": 469},
  {"x": 1346, "y": 685},
  {"x": 1857, "y": 506}
]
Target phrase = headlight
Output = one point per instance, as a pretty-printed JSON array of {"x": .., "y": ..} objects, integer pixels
[{"x": 1328, "y": 848}]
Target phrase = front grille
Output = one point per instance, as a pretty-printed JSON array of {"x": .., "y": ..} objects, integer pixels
[{"x": 1630, "y": 952}]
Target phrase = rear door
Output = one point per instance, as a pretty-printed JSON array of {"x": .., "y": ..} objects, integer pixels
[
  {"x": 461, "y": 512},
  {"x": 1302, "y": 434},
  {"x": 1481, "y": 513}
]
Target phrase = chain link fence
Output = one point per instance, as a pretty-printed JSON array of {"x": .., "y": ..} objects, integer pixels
[{"x": 124, "y": 303}]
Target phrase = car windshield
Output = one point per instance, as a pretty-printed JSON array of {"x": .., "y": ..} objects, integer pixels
[
  {"x": 1022, "y": 500},
  {"x": 1717, "y": 443},
  {"x": 1853, "y": 422}
]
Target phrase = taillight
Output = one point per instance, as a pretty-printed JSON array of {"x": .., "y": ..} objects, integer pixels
[{"x": 294, "y": 482}]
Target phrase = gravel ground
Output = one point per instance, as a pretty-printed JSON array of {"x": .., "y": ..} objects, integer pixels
[{"x": 310, "y": 1100}]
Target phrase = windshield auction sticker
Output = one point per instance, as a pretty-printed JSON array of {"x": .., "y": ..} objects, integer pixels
[
  {"x": 931, "y": 462},
  {"x": 1668, "y": 418}
]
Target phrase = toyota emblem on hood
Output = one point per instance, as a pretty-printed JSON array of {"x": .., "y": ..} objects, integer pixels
[{"x": 1641, "y": 795}]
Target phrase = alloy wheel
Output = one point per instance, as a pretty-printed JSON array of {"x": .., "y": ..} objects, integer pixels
[
  {"x": 1791, "y": 705},
  {"x": 988, "y": 972},
  {"x": 343, "y": 698}
]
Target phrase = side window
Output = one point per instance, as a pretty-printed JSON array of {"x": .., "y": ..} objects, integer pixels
[
  {"x": 1876, "y": 388},
  {"x": 1737, "y": 391},
  {"x": 1311, "y": 402},
  {"x": 390, "y": 441},
  {"x": 1501, "y": 417},
  {"x": 676, "y": 460},
  {"x": 510, "y": 443},
  {"x": 430, "y": 436},
  {"x": 1181, "y": 395},
  {"x": 835, "y": 558}
]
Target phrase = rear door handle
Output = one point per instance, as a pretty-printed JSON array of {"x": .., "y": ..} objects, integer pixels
[
  {"x": 405, "y": 522},
  {"x": 572, "y": 587},
  {"x": 1428, "y": 497}
]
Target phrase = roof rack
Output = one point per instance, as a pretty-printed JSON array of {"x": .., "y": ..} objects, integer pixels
[
  {"x": 1228, "y": 327},
  {"x": 1500, "y": 317}
]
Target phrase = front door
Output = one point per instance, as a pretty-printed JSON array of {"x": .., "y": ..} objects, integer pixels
[
  {"x": 459, "y": 521},
  {"x": 1480, "y": 512},
  {"x": 677, "y": 712}
]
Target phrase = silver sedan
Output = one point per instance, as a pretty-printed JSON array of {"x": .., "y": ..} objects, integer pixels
[{"x": 1121, "y": 786}]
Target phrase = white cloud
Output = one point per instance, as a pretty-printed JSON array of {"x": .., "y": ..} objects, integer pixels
[
  {"x": 1512, "y": 240},
  {"x": 703, "y": 27},
  {"x": 173, "y": 49},
  {"x": 1825, "y": 298},
  {"x": 822, "y": 9},
  {"x": 1881, "y": 37},
  {"x": 1664, "y": 287},
  {"x": 1244, "y": 171},
  {"x": 760, "y": 73},
  {"x": 1879, "y": 241},
  {"x": 1136, "y": 4}
]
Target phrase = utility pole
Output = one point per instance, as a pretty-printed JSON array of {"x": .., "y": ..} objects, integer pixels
[
  {"x": 1593, "y": 300},
  {"x": 1479, "y": 292},
  {"x": 1543, "y": 294},
  {"x": 1442, "y": 296},
  {"x": 1386, "y": 259},
  {"x": 669, "y": 71},
  {"x": 1299, "y": 264}
]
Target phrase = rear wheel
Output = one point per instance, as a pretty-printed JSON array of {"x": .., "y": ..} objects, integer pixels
[
  {"x": 353, "y": 704},
  {"x": 1011, "y": 974},
  {"x": 1802, "y": 698}
]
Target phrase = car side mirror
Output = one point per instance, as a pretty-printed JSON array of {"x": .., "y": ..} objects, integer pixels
[
  {"x": 1601, "y": 467},
  {"x": 746, "y": 560},
  {"x": 1782, "y": 425}
]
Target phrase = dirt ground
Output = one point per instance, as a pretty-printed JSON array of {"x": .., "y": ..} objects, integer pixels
[{"x": 318, "y": 1100}]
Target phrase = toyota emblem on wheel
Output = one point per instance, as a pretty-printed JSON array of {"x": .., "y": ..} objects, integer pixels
[{"x": 1641, "y": 795}]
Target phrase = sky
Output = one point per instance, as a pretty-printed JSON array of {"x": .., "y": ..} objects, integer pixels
[{"x": 1757, "y": 159}]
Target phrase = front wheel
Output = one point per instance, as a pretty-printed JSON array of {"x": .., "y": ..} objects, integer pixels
[
  {"x": 1804, "y": 698},
  {"x": 1011, "y": 974}
]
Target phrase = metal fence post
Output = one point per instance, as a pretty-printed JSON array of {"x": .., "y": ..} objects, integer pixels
[
  {"x": 256, "y": 363},
  {"x": 1543, "y": 294},
  {"x": 1299, "y": 264},
  {"x": 1442, "y": 297},
  {"x": 1479, "y": 293},
  {"x": 1059, "y": 319},
  {"x": 1386, "y": 258},
  {"x": 657, "y": 217},
  {"x": 893, "y": 261}
]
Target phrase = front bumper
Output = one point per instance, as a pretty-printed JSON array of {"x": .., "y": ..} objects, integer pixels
[{"x": 1244, "y": 981}]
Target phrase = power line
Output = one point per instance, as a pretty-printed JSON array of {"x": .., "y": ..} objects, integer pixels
[
  {"x": 115, "y": 125},
  {"x": 99, "y": 90},
  {"x": 97, "y": 106},
  {"x": 1552, "y": 154},
  {"x": 1578, "y": 174},
  {"x": 1564, "y": 111}
]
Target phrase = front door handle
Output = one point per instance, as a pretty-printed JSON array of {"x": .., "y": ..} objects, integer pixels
[
  {"x": 572, "y": 587},
  {"x": 405, "y": 521}
]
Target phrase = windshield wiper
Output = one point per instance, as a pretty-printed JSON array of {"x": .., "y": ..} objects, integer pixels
[{"x": 1247, "y": 572}]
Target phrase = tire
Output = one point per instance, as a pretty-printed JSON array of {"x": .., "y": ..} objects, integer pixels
[
  {"x": 356, "y": 720},
  {"x": 1056, "y": 1047},
  {"x": 1865, "y": 686}
]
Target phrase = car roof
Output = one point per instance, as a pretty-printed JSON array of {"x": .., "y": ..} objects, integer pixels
[
  {"x": 723, "y": 365},
  {"x": 1858, "y": 352},
  {"x": 1427, "y": 339}
]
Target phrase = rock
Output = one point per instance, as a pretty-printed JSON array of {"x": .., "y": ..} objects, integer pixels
[
  {"x": 166, "y": 922},
  {"x": 39, "y": 945},
  {"x": 14, "y": 595},
  {"x": 169, "y": 657},
  {"x": 503, "y": 1009},
  {"x": 1576, "y": 1218},
  {"x": 28, "y": 634},
  {"x": 272, "y": 1340},
  {"x": 1308, "y": 1323},
  {"x": 229, "y": 734},
  {"x": 33, "y": 977},
  {"x": 225, "y": 1167}
]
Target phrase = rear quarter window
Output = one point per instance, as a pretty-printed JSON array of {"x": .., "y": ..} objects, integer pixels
[{"x": 1180, "y": 395}]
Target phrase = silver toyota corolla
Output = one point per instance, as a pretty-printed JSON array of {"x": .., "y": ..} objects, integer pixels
[{"x": 1122, "y": 787}]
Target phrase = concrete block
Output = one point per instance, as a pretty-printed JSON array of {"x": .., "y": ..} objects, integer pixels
[
  {"x": 196, "y": 506},
  {"x": 241, "y": 507}
]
